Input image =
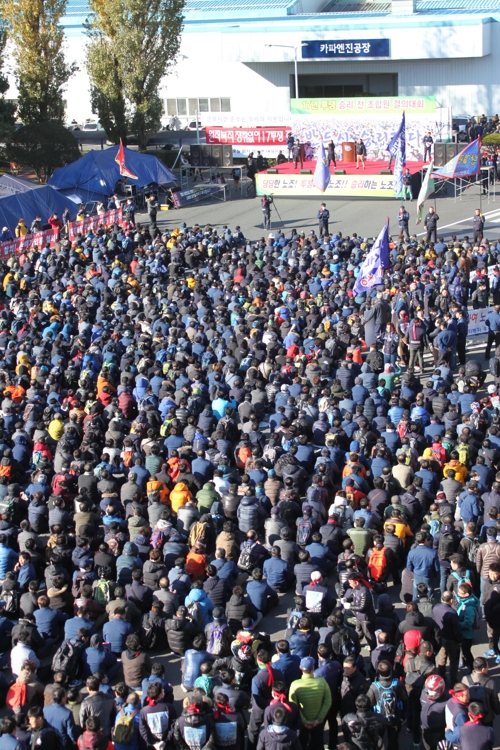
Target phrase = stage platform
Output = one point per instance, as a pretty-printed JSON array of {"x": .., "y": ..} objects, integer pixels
[{"x": 356, "y": 183}]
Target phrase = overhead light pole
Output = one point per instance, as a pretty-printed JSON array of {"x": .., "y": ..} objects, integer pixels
[{"x": 295, "y": 47}]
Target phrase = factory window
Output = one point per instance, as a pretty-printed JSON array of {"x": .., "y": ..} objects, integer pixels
[{"x": 180, "y": 107}]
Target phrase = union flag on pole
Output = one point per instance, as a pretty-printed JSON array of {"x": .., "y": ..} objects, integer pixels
[{"x": 120, "y": 160}]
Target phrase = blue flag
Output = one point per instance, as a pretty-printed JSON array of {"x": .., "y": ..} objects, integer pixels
[
  {"x": 465, "y": 164},
  {"x": 321, "y": 177},
  {"x": 397, "y": 148},
  {"x": 398, "y": 141},
  {"x": 371, "y": 272}
]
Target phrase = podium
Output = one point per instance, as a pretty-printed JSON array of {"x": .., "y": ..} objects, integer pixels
[{"x": 348, "y": 152}]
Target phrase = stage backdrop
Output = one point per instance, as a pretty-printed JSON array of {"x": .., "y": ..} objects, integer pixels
[{"x": 376, "y": 132}]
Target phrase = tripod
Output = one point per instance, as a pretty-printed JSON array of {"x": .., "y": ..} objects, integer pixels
[{"x": 276, "y": 209}]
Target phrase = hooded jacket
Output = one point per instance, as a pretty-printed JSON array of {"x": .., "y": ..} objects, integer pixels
[
  {"x": 276, "y": 737},
  {"x": 179, "y": 496},
  {"x": 250, "y": 513},
  {"x": 180, "y": 633},
  {"x": 126, "y": 563},
  {"x": 136, "y": 666}
]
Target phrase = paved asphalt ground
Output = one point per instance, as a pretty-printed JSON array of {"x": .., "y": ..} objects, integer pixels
[{"x": 365, "y": 217}]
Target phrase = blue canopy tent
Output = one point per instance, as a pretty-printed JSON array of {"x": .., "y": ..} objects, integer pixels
[
  {"x": 22, "y": 198},
  {"x": 95, "y": 175}
]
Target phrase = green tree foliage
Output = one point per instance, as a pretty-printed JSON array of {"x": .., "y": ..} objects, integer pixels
[
  {"x": 493, "y": 139},
  {"x": 44, "y": 147},
  {"x": 41, "y": 69},
  {"x": 132, "y": 45}
]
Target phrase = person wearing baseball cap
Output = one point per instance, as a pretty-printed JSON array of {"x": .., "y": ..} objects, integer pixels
[{"x": 314, "y": 698}]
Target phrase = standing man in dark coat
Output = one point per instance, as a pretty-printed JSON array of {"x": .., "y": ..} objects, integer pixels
[
  {"x": 331, "y": 153},
  {"x": 266, "y": 211},
  {"x": 323, "y": 217},
  {"x": 430, "y": 224},
  {"x": 297, "y": 154},
  {"x": 403, "y": 219},
  {"x": 427, "y": 141},
  {"x": 152, "y": 209},
  {"x": 478, "y": 225}
]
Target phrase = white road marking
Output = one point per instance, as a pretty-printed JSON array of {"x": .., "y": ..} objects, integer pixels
[{"x": 464, "y": 221}]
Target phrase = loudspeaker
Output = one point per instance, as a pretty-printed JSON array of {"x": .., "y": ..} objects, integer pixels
[
  {"x": 340, "y": 171},
  {"x": 386, "y": 171},
  {"x": 195, "y": 154},
  {"x": 452, "y": 149},
  {"x": 440, "y": 154},
  {"x": 272, "y": 171},
  {"x": 130, "y": 190},
  {"x": 206, "y": 154},
  {"x": 305, "y": 171},
  {"x": 216, "y": 155},
  {"x": 227, "y": 155}
]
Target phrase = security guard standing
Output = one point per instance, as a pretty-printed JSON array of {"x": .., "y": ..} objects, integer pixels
[{"x": 323, "y": 217}]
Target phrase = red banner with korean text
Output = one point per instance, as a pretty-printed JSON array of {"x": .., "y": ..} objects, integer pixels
[
  {"x": 91, "y": 223},
  {"x": 39, "y": 239},
  {"x": 255, "y": 136}
]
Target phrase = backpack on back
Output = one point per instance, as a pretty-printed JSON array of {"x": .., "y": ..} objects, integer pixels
[
  {"x": 293, "y": 621},
  {"x": 463, "y": 453},
  {"x": 377, "y": 563},
  {"x": 446, "y": 546},
  {"x": 346, "y": 645},
  {"x": 102, "y": 593},
  {"x": 216, "y": 642},
  {"x": 11, "y": 599},
  {"x": 67, "y": 657},
  {"x": 387, "y": 704},
  {"x": 195, "y": 612},
  {"x": 435, "y": 525},
  {"x": 244, "y": 562},
  {"x": 304, "y": 531},
  {"x": 150, "y": 628},
  {"x": 158, "y": 537},
  {"x": 479, "y": 693},
  {"x": 473, "y": 550},
  {"x": 465, "y": 579},
  {"x": 123, "y": 732}
]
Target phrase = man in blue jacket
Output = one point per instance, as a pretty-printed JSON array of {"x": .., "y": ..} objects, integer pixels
[
  {"x": 8, "y": 558},
  {"x": 469, "y": 503},
  {"x": 49, "y": 621},
  {"x": 115, "y": 631},
  {"x": 277, "y": 571},
  {"x": 81, "y": 620},
  {"x": 423, "y": 562},
  {"x": 260, "y": 593},
  {"x": 61, "y": 719},
  {"x": 287, "y": 663}
]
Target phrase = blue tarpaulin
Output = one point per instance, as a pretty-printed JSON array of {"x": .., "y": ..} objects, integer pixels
[
  {"x": 95, "y": 174},
  {"x": 23, "y": 198}
]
